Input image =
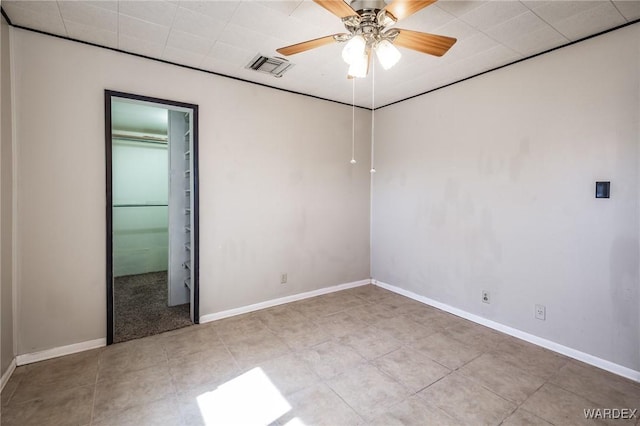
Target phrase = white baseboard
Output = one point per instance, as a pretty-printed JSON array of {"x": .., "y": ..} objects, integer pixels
[
  {"x": 7, "y": 374},
  {"x": 548, "y": 344},
  {"x": 60, "y": 351},
  {"x": 280, "y": 301}
]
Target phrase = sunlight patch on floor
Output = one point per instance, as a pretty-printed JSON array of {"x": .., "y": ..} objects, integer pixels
[{"x": 249, "y": 399}]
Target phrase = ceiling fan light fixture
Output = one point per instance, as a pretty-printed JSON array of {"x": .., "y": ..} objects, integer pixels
[
  {"x": 359, "y": 68},
  {"x": 354, "y": 49},
  {"x": 388, "y": 55}
]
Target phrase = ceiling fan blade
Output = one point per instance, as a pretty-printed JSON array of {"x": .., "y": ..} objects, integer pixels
[
  {"x": 306, "y": 45},
  {"x": 400, "y": 9},
  {"x": 337, "y": 7},
  {"x": 430, "y": 44}
]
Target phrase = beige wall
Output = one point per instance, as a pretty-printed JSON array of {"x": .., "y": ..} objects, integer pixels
[
  {"x": 277, "y": 192},
  {"x": 6, "y": 206},
  {"x": 489, "y": 185}
]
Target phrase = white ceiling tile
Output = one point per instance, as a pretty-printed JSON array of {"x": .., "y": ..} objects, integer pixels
[
  {"x": 497, "y": 57},
  {"x": 111, "y": 5},
  {"x": 437, "y": 78},
  {"x": 285, "y": 7},
  {"x": 187, "y": 20},
  {"x": 407, "y": 70},
  {"x": 92, "y": 34},
  {"x": 43, "y": 16},
  {"x": 468, "y": 47},
  {"x": 257, "y": 18},
  {"x": 158, "y": 12},
  {"x": 527, "y": 34},
  {"x": 537, "y": 41},
  {"x": 457, "y": 29},
  {"x": 556, "y": 11},
  {"x": 516, "y": 27},
  {"x": 630, "y": 9},
  {"x": 188, "y": 42},
  {"x": 493, "y": 13},
  {"x": 223, "y": 52},
  {"x": 142, "y": 29},
  {"x": 410, "y": 57},
  {"x": 329, "y": 56},
  {"x": 89, "y": 15},
  {"x": 250, "y": 40},
  {"x": 183, "y": 57},
  {"x": 220, "y": 10},
  {"x": 590, "y": 21},
  {"x": 254, "y": 16},
  {"x": 41, "y": 7},
  {"x": 459, "y": 7},
  {"x": 313, "y": 14},
  {"x": 426, "y": 19},
  {"x": 140, "y": 46}
]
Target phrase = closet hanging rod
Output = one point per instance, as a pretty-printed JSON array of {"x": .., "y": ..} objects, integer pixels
[
  {"x": 140, "y": 205},
  {"x": 158, "y": 141}
]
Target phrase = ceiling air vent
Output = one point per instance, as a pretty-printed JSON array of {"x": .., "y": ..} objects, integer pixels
[{"x": 274, "y": 66}]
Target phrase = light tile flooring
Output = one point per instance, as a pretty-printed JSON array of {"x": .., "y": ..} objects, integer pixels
[{"x": 360, "y": 356}]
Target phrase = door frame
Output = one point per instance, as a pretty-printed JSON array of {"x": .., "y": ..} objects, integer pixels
[{"x": 195, "y": 226}]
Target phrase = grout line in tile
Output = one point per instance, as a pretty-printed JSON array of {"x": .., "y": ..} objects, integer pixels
[{"x": 95, "y": 389}]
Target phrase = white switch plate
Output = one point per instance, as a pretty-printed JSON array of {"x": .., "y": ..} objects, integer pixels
[{"x": 283, "y": 279}]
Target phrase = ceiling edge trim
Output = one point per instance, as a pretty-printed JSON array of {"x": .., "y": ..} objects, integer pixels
[
  {"x": 174, "y": 63},
  {"x": 515, "y": 62},
  {"x": 4, "y": 14},
  {"x": 6, "y": 17}
]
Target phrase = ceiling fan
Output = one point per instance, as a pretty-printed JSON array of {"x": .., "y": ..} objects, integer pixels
[{"x": 367, "y": 22}]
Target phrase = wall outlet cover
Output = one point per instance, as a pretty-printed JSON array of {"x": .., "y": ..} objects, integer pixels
[{"x": 541, "y": 312}]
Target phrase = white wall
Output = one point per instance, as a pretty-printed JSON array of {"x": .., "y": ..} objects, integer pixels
[
  {"x": 140, "y": 234},
  {"x": 277, "y": 192},
  {"x": 489, "y": 185},
  {"x": 6, "y": 206}
]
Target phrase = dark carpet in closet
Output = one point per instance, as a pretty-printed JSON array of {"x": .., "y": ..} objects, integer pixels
[{"x": 140, "y": 307}]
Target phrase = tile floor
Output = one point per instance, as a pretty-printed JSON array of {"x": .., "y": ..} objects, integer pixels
[{"x": 360, "y": 356}]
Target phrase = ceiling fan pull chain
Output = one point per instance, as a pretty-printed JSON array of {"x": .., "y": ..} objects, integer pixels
[
  {"x": 373, "y": 113},
  {"x": 353, "y": 121}
]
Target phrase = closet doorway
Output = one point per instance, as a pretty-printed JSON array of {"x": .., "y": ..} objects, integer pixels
[{"x": 152, "y": 215}]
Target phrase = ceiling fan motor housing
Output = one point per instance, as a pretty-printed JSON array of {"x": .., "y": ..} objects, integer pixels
[
  {"x": 374, "y": 5},
  {"x": 370, "y": 22}
]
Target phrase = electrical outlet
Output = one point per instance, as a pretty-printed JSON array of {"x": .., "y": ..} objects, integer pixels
[
  {"x": 485, "y": 296},
  {"x": 283, "y": 279},
  {"x": 541, "y": 312}
]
